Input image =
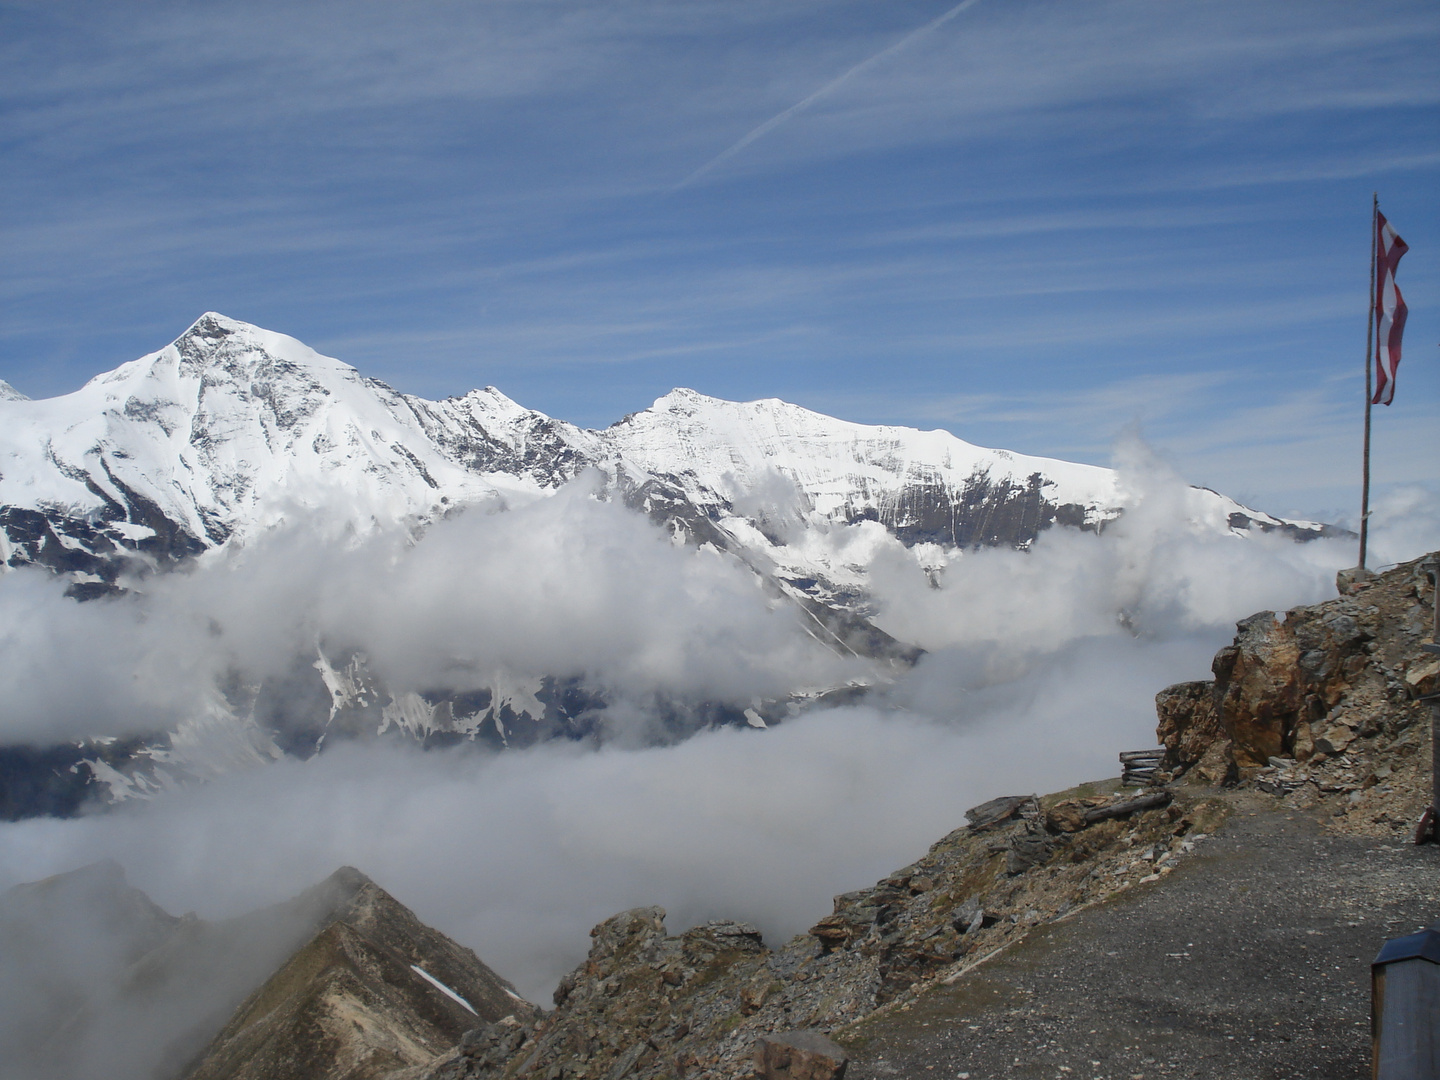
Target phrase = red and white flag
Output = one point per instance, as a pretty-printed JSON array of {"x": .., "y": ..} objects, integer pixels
[{"x": 1390, "y": 309}]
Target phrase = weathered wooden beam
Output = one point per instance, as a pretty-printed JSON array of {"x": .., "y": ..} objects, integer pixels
[
  {"x": 1136, "y": 755},
  {"x": 1130, "y": 806}
]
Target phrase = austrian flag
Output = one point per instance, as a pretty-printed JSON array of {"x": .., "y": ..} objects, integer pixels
[{"x": 1390, "y": 310}]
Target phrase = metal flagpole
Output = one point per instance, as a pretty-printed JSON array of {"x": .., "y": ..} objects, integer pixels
[{"x": 1369, "y": 376}]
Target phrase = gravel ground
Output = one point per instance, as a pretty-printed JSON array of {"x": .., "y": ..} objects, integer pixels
[{"x": 1251, "y": 960}]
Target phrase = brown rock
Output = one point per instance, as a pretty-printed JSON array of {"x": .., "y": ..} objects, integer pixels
[
  {"x": 1067, "y": 816},
  {"x": 1307, "y": 684},
  {"x": 800, "y": 1055},
  {"x": 1423, "y": 678},
  {"x": 833, "y": 930},
  {"x": 1188, "y": 723},
  {"x": 1348, "y": 582},
  {"x": 1259, "y": 687},
  {"x": 1335, "y": 738},
  {"x": 1217, "y": 766},
  {"x": 753, "y": 995}
]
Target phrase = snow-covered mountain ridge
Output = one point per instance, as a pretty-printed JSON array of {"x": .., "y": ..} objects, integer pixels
[
  {"x": 231, "y": 428},
  {"x": 200, "y": 454}
]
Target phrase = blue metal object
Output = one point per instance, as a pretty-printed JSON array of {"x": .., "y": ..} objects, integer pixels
[
  {"x": 1405, "y": 1008},
  {"x": 1425, "y": 945}
]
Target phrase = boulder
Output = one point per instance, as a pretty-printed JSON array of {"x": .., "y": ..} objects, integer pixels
[
  {"x": 1423, "y": 677},
  {"x": 800, "y": 1055},
  {"x": 1348, "y": 582},
  {"x": 969, "y": 916},
  {"x": 833, "y": 931},
  {"x": 1188, "y": 723},
  {"x": 1067, "y": 816},
  {"x": 1259, "y": 688},
  {"x": 1336, "y": 735}
]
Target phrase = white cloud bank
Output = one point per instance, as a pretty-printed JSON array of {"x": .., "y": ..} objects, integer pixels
[
  {"x": 1042, "y": 666},
  {"x": 567, "y": 586}
]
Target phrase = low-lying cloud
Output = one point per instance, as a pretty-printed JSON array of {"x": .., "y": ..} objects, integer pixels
[{"x": 567, "y": 586}]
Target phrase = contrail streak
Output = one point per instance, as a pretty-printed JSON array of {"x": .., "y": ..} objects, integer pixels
[{"x": 778, "y": 119}]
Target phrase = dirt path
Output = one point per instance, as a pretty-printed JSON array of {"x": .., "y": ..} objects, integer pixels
[{"x": 1249, "y": 962}]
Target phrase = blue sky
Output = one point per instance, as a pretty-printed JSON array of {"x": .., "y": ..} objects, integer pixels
[{"x": 1037, "y": 224}]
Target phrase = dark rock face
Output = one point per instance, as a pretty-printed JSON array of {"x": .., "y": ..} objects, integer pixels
[
  {"x": 64, "y": 544},
  {"x": 984, "y": 513},
  {"x": 1325, "y": 677},
  {"x": 55, "y": 781},
  {"x": 1289, "y": 528}
]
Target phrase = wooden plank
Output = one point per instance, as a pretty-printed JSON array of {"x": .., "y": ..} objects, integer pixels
[
  {"x": 1136, "y": 755},
  {"x": 1130, "y": 806}
]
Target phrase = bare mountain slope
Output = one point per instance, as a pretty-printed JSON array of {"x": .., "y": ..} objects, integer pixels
[{"x": 100, "y": 982}]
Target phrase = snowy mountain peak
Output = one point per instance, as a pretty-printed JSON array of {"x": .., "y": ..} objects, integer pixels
[
  {"x": 490, "y": 402},
  {"x": 231, "y": 427},
  {"x": 9, "y": 393},
  {"x": 682, "y": 399}
]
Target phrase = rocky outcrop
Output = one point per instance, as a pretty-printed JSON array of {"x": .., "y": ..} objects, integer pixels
[{"x": 1311, "y": 683}]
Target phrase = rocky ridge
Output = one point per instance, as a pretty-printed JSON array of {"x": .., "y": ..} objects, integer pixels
[
  {"x": 342, "y": 981},
  {"x": 372, "y": 991},
  {"x": 648, "y": 1005}
]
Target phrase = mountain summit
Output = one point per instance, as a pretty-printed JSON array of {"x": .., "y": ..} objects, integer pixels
[{"x": 230, "y": 428}]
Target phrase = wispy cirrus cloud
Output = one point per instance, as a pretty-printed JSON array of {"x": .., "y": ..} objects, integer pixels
[{"x": 453, "y": 194}]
